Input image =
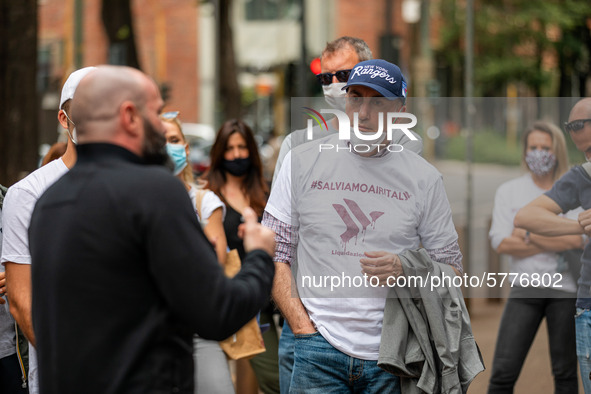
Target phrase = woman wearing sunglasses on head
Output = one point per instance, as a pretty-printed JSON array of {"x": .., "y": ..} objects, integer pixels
[
  {"x": 212, "y": 374},
  {"x": 236, "y": 176}
]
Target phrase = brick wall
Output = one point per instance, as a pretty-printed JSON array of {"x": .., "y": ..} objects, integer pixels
[
  {"x": 366, "y": 20},
  {"x": 166, "y": 40}
]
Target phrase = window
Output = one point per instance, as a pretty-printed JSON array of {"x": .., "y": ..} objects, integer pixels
[{"x": 270, "y": 9}]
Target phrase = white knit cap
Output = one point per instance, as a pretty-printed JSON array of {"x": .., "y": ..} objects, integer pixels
[{"x": 72, "y": 83}]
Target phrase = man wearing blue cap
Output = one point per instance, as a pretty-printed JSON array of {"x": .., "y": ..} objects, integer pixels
[
  {"x": 347, "y": 205},
  {"x": 337, "y": 60}
]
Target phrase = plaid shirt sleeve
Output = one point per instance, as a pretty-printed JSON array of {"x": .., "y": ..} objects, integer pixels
[
  {"x": 449, "y": 254},
  {"x": 285, "y": 237}
]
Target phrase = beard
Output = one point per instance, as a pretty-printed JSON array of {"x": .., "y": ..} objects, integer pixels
[{"x": 154, "y": 147}]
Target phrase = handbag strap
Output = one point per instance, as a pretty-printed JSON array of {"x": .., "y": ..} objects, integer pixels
[
  {"x": 587, "y": 168},
  {"x": 199, "y": 194}
]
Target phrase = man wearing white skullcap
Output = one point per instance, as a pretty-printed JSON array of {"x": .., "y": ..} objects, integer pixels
[{"x": 18, "y": 207}]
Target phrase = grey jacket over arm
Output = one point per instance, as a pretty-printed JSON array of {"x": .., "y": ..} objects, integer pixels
[{"x": 426, "y": 335}]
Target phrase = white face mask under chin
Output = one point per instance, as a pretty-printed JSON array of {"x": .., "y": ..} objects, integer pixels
[
  {"x": 73, "y": 136},
  {"x": 335, "y": 95},
  {"x": 364, "y": 144}
]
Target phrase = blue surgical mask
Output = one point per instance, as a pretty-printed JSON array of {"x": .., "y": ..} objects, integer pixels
[{"x": 178, "y": 154}]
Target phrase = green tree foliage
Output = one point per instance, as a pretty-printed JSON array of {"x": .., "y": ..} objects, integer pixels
[{"x": 543, "y": 45}]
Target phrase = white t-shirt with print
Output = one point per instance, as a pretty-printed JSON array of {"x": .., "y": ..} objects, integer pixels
[
  {"x": 345, "y": 205},
  {"x": 18, "y": 207},
  {"x": 510, "y": 197}
]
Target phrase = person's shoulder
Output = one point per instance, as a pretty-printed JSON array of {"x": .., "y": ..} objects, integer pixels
[
  {"x": 577, "y": 171},
  {"x": 153, "y": 176},
  {"x": 38, "y": 181},
  {"x": 211, "y": 196},
  {"x": 137, "y": 178},
  {"x": 415, "y": 164},
  {"x": 516, "y": 183},
  {"x": 43, "y": 175},
  {"x": 211, "y": 202},
  {"x": 575, "y": 175}
]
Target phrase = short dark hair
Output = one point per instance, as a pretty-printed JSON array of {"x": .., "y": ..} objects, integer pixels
[{"x": 359, "y": 46}]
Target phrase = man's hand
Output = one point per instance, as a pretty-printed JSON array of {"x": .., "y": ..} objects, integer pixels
[
  {"x": 2, "y": 287},
  {"x": 382, "y": 265},
  {"x": 255, "y": 235},
  {"x": 519, "y": 233},
  {"x": 289, "y": 303},
  {"x": 585, "y": 221}
]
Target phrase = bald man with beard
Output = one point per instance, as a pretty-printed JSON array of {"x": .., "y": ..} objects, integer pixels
[
  {"x": 123, "y": 274},
  {"x": 571, "y": 191}
]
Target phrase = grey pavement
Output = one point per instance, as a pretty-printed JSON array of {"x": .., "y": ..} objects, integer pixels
[{"x": 486, "y": 178}]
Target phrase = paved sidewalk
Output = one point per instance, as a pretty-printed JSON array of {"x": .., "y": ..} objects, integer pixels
[{"x": 536, "y": 375}]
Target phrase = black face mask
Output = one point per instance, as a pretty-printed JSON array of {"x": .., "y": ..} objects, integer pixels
[{"x": 237, "y": 167}]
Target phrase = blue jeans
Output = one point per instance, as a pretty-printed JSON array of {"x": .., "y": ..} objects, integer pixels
[
  {"x": 583, "y": 327},
  {"x": 319, "y": 368},
  {"x": 286, "y": 344}
]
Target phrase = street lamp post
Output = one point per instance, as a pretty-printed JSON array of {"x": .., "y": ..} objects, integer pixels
[
  {"x": 469, "y": 113},
  {"x": 302, "y": 66}
]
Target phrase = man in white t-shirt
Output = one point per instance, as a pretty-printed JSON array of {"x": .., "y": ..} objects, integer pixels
[
  {"x": 12, "y": 376},
  {"x": 18, "y": 207},
  {"x": 348, "y": 207},
  {"x": 336, "y": 61}
]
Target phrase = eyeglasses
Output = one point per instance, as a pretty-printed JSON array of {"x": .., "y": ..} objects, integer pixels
[
  {"x": 575, "y": 125},
  {"x": 170, "y": 115},
  {"x": 326, "y": 78}
]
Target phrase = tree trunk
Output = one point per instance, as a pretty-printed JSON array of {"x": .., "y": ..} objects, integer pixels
[
  {"x": 118, "y": 23},
  {"x": 585, "y": 72},
  {"x": 19, "y": 110},
  {"x": 229, "y": 93}
]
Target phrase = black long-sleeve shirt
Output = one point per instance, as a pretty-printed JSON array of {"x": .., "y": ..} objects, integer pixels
[{"x": 123, "y": 276}]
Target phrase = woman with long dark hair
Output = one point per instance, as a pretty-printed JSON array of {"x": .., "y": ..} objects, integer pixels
[{"x": 236, "y": 176}]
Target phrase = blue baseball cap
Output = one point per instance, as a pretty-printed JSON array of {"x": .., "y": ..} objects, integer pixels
[{"x": 381, "y": 76}]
